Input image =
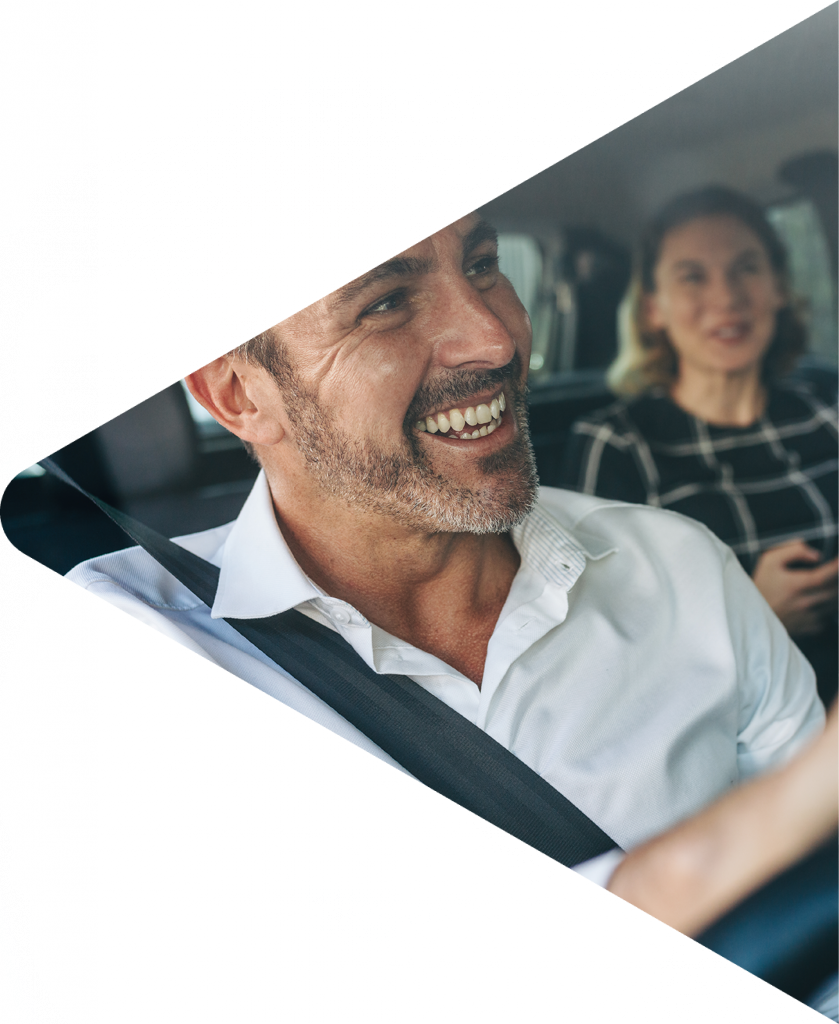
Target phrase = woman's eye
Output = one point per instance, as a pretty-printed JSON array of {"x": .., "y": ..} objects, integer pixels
[
  {"x": 686, "y": 272},
  {"x": 750, "y": 267}
]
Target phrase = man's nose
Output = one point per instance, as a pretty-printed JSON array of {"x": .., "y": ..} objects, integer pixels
[{"x": 469, "y": 334}]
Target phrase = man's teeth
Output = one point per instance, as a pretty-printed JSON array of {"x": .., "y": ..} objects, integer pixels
[{"x": 485, "y": 418}]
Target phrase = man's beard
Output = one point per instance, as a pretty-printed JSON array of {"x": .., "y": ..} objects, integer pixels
[{"x": 401, "y": 484}]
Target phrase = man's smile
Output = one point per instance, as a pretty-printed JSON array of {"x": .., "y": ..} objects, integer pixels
[{"x": 466, "y": 423}]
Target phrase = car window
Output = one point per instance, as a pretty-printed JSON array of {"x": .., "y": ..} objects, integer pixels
[
  {"x": 523, "y": 260},
  {"x": 800, "y": 228}
]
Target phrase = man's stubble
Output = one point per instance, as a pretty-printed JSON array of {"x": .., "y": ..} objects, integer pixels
[{"x": 402, "y": 484}]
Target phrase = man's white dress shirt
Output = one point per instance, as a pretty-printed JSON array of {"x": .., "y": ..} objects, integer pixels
[{"x": 204, "y": 841}]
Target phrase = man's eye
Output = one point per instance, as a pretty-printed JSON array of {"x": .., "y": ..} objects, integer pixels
[
  {"x": 485, "y": 265},
  {"x": 386, "y": 304}
]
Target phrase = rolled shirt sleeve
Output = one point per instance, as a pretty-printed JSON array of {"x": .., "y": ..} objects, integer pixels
[{"x": 779, "y": 706}]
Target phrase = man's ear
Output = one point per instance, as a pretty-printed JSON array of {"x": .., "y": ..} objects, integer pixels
[{"x": 242, "y": 397}]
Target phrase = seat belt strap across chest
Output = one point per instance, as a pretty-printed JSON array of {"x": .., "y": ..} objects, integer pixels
[{"x": 429, "y": 739}]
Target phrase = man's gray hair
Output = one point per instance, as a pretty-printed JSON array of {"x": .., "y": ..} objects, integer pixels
[{"x": 209, "y": 275}]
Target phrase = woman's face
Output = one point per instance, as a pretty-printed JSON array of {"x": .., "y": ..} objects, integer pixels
[{"x": 716, "y": 295}]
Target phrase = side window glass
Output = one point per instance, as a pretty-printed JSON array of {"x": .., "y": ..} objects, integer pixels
[
  {"x": 522, "y": 262},
  {"x": 571, "y": 286},
  {"x": 800, "y": 229},
  {"x": 533, "y": 267}
]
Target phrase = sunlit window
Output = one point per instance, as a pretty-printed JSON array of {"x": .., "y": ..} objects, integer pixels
[
  {"x": 521, "y": 261},
  {"x": 800, "y": 229}
]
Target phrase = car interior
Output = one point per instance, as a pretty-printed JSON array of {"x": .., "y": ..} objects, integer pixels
[{"x": 568, "y": 123}]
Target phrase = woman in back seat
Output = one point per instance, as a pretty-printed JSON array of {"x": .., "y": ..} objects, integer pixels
[{"x": 706, "y": 423}]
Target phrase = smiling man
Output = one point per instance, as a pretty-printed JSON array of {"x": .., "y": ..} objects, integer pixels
[
  {"x": 391, "y": 425},
  {"x": 202, "y": 838}
]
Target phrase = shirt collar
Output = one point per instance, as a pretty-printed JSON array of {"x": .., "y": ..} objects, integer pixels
[
  {"x": 544, "y": 545},
  {"x": 260, "y": 576},
  {"x": 553, "y": 550}
]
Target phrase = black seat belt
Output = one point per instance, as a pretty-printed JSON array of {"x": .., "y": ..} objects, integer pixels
[{"x": 429, "y": 739}]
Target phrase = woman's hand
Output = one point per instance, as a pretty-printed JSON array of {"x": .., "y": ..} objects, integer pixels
[{"x": 799, "y": 597}]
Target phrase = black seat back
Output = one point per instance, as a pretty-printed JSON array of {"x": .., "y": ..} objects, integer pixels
[
  {"x": 120, "y": 424},
  {"x": 554, "y": 405}
]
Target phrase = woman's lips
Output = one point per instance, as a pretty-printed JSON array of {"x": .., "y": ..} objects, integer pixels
[{"x": 731, "y": 333}]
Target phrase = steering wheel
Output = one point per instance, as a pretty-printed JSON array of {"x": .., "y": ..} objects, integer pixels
[{"x": 787, "y": 932}]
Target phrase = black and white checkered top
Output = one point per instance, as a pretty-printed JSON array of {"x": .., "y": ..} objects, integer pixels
[{"x": 754, "y": 487}]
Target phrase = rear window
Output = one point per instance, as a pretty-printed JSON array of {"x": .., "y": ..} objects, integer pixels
[
  {"x": 523, "y": 262},
  {"x": 800, "y": 228}
]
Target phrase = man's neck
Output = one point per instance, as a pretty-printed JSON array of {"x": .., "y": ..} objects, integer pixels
[{"x": 440, "y": 592}]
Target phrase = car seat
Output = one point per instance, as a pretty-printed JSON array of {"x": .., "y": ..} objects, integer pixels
[
  {"x": 554, "y": 406},
  {"x": 120, "y": 424}
]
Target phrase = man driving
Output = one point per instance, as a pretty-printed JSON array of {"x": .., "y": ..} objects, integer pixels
[{"x": 205, "y": 840}]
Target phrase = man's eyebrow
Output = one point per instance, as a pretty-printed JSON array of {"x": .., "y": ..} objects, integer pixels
[
  {"x": 483, "y": 231},
  {"x": 399, "y": 266}
]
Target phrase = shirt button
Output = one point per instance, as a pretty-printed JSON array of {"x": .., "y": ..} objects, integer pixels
[{"x": 341, "y": 616}]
